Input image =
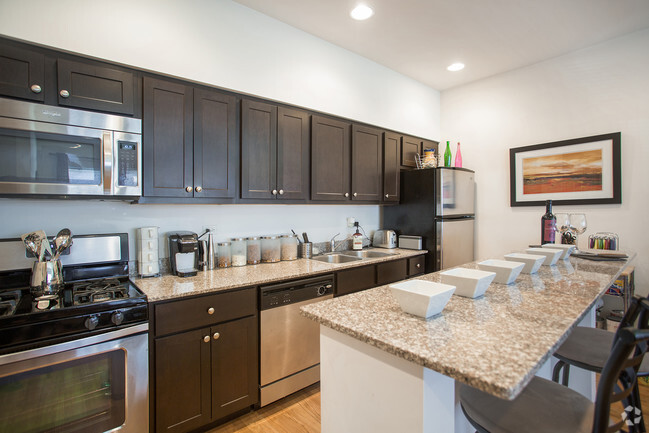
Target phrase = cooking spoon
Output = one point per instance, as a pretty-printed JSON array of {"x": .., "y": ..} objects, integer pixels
[
  {"x": 29, "y": 239},
  {"x": 62, "y": 241}
]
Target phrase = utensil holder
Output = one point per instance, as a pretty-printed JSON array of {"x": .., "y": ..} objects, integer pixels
[
  {"x": 47, "y": 277},
  {"x": 305, "y": 250}
]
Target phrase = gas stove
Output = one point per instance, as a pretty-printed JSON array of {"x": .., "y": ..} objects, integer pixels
[{"x": 98, "y": 298}]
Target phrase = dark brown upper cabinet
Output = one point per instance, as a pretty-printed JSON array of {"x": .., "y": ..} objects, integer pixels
[
  {"x": 190, "y": 141},
  {"x": 410, "y": 146},
  {"x": 330, "y": 159},
  {"x": 274, "y": 152},
  {"x": 391, "y": 167},
  {"x": 367, "y": 153},
  {"x": 22, "y": 73},
  {"x": 95, "y": 87}
]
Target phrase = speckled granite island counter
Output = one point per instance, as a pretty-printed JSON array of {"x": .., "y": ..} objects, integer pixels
[
  {"x": 171, "y": 287},
  {"x": 383, "y": 370}
]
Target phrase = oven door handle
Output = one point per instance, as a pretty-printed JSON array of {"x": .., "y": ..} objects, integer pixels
[{"x": 107, "y": 163}]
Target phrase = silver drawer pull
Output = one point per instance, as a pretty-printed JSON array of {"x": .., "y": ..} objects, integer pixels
[
  {"x": 210, "y": 310},
  {"x": 36, "y": 88},
  {"x": 206, "y": 339},
  {"x": 216, "y": 335},
  {"x": 64, "y": 93}
]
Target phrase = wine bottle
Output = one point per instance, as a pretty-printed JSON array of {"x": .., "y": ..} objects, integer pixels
[
  {"x": 548, "y": 221},
  {"x": 447, "y": 155},
  {"x": 458, "y": 156}
]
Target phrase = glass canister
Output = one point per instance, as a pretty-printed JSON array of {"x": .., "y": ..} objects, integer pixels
[
  {"x": 253, "y": 250},
  {"x": 270, "y": 249},
  {"x": 238, "y": 249},
  {"x": 225, "y": 257},
  {"x": 289, "y": 247}
]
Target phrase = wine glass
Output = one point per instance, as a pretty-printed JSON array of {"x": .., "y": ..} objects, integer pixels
[
  {"x": 578, "y": 224},
  {"x": 562, "y": 224}
]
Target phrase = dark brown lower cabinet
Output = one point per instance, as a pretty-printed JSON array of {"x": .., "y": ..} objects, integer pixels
[
  {"x": 366, "y": 277},
  {"x": 354, "y": 280},
  {"x": 389, "y": 272},
  {"x": 416, "y": 265}
]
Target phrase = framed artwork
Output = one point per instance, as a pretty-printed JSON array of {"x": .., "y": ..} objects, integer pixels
[{"x": 578, "y": 171}]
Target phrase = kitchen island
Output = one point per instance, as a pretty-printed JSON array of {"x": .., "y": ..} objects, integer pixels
[{"x": 383, "y": 370}]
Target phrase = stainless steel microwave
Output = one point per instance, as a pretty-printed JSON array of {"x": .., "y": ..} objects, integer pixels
[{"x": 55, "y": 151}]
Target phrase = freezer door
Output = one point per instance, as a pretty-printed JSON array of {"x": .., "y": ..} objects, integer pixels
[
  {"x": 455, "y": 192},
  {"x": 454, "y": 242}
]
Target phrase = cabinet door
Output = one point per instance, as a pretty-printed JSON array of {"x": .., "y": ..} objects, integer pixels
[
  {"x": 416, "y": 265},
  {"x": 330, "y": 159},
  {"x": 356, "y": 279},
  {"x": 410, "y": 147},
  {"x": 293, "y": 132},
  {"x": 391, "y": 169},
  {"x": 21, "y": 73},
  {"x": 182, "y": 381},
  {"x": 95, "y": 87},
  {"x": 258, "y": 150},
  {"x": 367, "y": 153},
  {"x": 389, "y": 272},
  {"x": 168, "y": 139},
  {"x": 234, "y": 366},
  {"x": 215, "y": 144}
]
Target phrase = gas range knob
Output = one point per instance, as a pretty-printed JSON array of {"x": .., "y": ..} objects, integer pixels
[
  {"x": 117, "y": 318},
  {"x": 92, "y": 322}
]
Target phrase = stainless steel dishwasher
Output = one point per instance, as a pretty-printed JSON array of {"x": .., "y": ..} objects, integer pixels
[{"x": 290, "y": 343}]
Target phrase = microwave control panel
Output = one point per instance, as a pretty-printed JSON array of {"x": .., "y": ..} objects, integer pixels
[{"x": 127, "y": 163}]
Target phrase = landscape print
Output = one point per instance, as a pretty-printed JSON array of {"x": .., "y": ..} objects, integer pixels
[{"x": 566, "y": 172}]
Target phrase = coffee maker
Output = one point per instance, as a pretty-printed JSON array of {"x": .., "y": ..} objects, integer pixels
[{"x": 183, "y": 253}]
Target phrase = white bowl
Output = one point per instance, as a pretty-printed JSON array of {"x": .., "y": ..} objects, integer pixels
[
  {"x": 567, "y": 249},
  {"x": 422, "y": 298},
  {"x": 532, "y": 261},
  {"x": 470, "y": 283},
  {"x": 506, "y": 271},
  {"x": 551, "y": 255}
]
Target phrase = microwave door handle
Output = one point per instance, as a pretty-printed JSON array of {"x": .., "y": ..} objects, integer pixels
[{"x": 107, "y": 146}]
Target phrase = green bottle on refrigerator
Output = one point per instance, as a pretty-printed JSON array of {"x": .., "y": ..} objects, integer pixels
[{"x": 447, "y": 155}]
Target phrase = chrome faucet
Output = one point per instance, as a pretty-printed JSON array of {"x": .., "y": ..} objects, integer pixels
[{"x": 333, "y": 242}]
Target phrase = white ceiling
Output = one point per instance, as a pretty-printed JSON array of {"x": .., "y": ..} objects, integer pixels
[{"x": 420, "y": 38}]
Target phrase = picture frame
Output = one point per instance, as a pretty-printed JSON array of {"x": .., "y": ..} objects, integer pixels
[{"x": 577, "y": 171}]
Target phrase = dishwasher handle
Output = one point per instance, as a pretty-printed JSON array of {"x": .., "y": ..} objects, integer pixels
[{"x": 281, "y": 295}]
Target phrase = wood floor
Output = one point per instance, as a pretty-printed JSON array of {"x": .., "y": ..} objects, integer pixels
[{"x": 300, "y": 413}]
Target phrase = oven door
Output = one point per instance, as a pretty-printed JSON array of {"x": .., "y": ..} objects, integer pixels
[
  {"x": 47, "y": 158},
  {"x": 92, "y": 385}
]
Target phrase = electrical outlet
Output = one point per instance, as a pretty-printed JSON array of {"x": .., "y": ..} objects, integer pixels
[{"x": 351, "y": 221}]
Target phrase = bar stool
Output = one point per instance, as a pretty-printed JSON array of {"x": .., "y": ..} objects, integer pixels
[
  {"x": 546, "y": 406},
  {"x": 589, "y": 348}
]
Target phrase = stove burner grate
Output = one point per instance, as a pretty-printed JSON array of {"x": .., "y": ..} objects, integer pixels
[
  {"x": 99, "y": 291},
  {"x": 8, "y": 302}
]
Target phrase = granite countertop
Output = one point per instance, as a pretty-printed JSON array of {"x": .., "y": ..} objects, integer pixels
[
  {"x": 495, "y": 343},
  {"x": 170, "y": 287}
]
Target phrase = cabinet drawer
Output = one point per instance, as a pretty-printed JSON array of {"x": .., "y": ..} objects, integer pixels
[
  {"x": 192, "y": 313},
  {"x": 389, "y": 272},
  {"x": 416, "y": 265},
  {"x": 354, "y": 280}
]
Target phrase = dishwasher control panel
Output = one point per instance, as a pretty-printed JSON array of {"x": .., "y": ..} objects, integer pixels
[{"x": 278, "y": 295}]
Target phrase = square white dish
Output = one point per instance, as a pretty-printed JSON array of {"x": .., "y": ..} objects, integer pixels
[
  {"x": 422, "y": 298},
  {"x": 470, "y": 283},
  {"x": 532, "y": 261},
  {"x": 567, "y": 249},
  {"x": 506, "y": 271},
  {"x": 551, "y": 255}
]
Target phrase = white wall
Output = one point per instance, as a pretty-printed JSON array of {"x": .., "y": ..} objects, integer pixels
[
  {"x": 222, "y": 43},
  {"x": 601, "y": 89}
]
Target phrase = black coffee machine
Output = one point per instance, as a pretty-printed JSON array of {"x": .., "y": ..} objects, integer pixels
[{"x": 183, "y": 253}]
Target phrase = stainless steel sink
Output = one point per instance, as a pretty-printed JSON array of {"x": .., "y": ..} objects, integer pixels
[
  {"x": 336, "y": 258},
  {"x": 367, "y": 254}
]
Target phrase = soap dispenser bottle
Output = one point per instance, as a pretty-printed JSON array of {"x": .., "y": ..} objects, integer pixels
[{"x": 357, "y": 239}]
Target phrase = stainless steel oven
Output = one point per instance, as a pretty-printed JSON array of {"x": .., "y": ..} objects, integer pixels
[
  {"x": 50, "y": 150},
  {"x": 94, "y": 384}
]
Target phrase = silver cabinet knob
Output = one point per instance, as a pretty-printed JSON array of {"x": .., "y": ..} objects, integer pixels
[
  {"x": 281, "y": 192},
  {"x": 206, "y": 339},
  {"x": 188, "y": 189},
  {"x": 355, "y": 194},
  {"x": 199, "y": 189},
  {"x": 64, "y": 93},
  {"x": 387, "y": 196},
  {"x": 274, "y": 192},
  {"x": 346, "y": 194},
  {"x": 210, "y": 310},
  {"x": 216, "y": 336},
  {"x": 418, "y": 265},
  {"x": 36, "y": 88}
]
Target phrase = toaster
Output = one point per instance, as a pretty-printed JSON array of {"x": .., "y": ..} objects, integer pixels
[{"x": 385, "y": 239}]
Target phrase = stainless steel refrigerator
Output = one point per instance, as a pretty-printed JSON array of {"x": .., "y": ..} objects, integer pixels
[{"x": 437, "y": 204}]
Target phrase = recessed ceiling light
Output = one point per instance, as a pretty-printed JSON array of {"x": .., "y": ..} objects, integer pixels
[
  {"x": 361, "y": 12},
  {"x": 456, "y": 67}
]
